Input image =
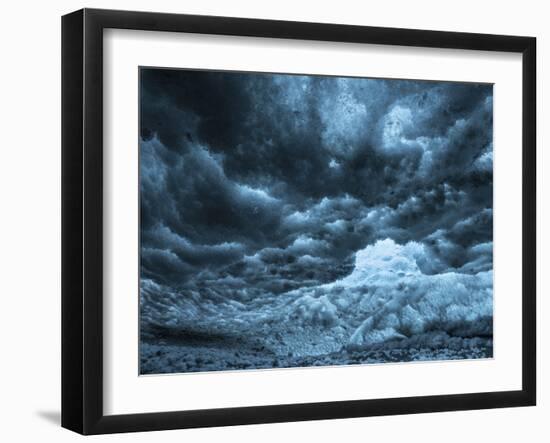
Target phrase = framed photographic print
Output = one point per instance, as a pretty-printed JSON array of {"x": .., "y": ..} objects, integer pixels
[{"x": 269, "y": 221}]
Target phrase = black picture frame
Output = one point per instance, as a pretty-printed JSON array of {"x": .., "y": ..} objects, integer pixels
[{"x": 82, "y": 215}]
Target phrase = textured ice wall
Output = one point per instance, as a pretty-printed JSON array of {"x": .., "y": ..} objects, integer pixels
[{"x": 387, "y": 298}]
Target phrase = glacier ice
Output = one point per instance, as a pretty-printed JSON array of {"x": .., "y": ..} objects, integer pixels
[
  {"x": 388, "y": 297},
  {"x": 386, "y": 302}
]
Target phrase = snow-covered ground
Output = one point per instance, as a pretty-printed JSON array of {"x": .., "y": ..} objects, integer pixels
[{"x": 388, "y": 309}]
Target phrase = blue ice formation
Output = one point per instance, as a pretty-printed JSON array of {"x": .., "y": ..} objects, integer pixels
[{"x": 386, "y": 299}]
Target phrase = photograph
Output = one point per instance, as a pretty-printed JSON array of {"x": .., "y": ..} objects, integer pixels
[
  {"x": 275, "y": 222},
  {"x": 299, "y": 220}
]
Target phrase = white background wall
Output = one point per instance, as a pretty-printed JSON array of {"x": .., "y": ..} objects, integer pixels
[{"x": 30, "y": 219}]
